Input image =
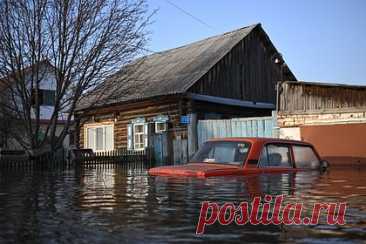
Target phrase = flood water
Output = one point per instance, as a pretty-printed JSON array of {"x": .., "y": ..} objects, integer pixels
[{"x": 115, "y": 204}]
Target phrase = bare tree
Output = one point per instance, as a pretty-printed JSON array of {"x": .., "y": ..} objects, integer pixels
[{"x": 81, "y": 41}]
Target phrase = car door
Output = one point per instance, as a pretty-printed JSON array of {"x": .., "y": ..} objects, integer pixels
[
  {"x": 305, "y": 157},
  {"x": 276, "y": 157}
]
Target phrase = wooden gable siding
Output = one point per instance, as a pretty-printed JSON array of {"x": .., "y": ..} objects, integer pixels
[
  {"x": 305, "y": 98},
  {"x": 122, "y": 114},
  {"x": 247, "y": 72}
]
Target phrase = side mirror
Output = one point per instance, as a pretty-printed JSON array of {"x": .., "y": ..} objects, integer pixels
[{"x": 324, "y": 164}]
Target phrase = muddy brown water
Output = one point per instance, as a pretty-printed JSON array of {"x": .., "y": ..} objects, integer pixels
[{"x": 115, "y": 204}]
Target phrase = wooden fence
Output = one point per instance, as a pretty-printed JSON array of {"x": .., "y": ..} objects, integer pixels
[
  {"x": 19, "y": 160},
  {"x": 121, "y": 155},
  {"x": 180, "y": 150},
  {"x": 46, "y": 161},
  {"x": 122, "y": 169},
  {"x": 241, "y": 127}
]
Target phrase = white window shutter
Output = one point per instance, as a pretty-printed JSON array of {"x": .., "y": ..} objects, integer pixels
[
  {"x": 109, "y": 138},
  {"x": 146, "y": 134},
  {"x": 91, "y": 138},
  {"x": 129, "y": 137},
  {"x": 100, "y": 135}
]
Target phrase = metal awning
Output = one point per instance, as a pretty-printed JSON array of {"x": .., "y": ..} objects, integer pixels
[{"x": 230, "y": 101}]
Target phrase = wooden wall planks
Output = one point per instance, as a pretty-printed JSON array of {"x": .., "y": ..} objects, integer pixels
[
  {"x": 247, "y": 72},
  {"x": 311, "y": 98}
]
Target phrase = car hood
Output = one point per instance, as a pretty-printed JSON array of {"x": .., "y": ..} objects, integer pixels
[{"x": 196, "y": 169}]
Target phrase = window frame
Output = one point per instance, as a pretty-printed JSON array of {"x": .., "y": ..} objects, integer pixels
[
  {"x": 48, "y": 97},
  {"x": 291, "y": 159},
  {"x": 95, "y": 126},
  {"x": 143, "y": 136},
  {"x": 43, "y": 94},
  {"x": 161, "y": 131}
]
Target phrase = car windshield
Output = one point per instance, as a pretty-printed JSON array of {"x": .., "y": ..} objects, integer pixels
[{"x": 225, "y": 152}]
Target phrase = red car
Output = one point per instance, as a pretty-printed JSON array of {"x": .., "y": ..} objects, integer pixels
[{"x": 242, "y": 156}]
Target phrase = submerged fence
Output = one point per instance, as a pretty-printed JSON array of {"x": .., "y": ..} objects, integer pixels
[
  {"x": 17, "y": 159},
  {"x": 11, "y": 159},
  {"x": 122, "y": 155},
  {"x": 122, "y": 169}
]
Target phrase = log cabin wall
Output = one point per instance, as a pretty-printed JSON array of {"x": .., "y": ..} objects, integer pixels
[
  {"x": 121, "y": 115},
  {"x": 247, "y": 72},
  {"x": 173, "y": 106},
  {"x": 310, "y": 98}
]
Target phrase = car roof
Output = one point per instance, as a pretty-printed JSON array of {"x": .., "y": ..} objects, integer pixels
[{"x": 260, "y": 140}]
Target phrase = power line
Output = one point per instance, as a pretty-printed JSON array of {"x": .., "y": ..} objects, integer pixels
[{"x": 189, "y": 14}]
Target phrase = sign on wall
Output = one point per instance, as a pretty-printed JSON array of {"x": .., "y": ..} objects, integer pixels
[{"x": 185, "y": 119}]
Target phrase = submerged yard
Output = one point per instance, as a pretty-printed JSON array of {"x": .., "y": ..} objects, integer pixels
[{"x": 115, "y": 203}]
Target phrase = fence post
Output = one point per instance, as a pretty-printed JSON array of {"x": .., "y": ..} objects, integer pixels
[
  {"x": 276, "y": 129},
  {"x": 192, "y": 135}
]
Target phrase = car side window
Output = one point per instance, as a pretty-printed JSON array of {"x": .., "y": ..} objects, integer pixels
[
  {"x": 275, "y": 155},
  {"x": 305, "y": 157}
]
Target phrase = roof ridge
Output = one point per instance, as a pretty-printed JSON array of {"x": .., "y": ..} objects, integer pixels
[{"x": 202, "y": 40}]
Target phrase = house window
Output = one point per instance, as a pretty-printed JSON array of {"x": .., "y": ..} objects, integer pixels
[
  {"x": 139, "y": 135},
  {"x": 45, "y": 97},
  {"x": 161, "y": 123},
  {"x": 160, "y": 127},
  {"x": 48, "y": 98},
  {"x": 100, "y": 138}
]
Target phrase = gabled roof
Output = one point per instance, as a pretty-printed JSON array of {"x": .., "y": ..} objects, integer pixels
[
  {"x": 8, "y": 80},
  {"x": 175, "y": 70},
  {"x": 165, "y": 73}
]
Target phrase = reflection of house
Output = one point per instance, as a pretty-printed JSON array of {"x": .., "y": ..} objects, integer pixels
[
  {"x": 331, "y": 116},
  {"x": 45, "y": 78},
  {"x": 225, "y": 76},
  {"x": 99, "y": 185}
]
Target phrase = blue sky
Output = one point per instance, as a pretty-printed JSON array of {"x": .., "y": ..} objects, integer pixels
[{"x": 321, "y": 40}]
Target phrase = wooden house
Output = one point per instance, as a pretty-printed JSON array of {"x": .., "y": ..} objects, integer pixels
[
  {"x": 331, "y": 116},
  {"x": 157, "y": 100},
  {"x": 9, "y": 97}
]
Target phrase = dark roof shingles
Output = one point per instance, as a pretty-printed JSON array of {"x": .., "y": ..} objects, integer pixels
[{"x": 170, "y": 72}]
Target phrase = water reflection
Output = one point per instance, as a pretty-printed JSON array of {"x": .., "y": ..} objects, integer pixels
[
  {"x": 122, "y": 203},
  {"x": 98, "y": 188}
]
